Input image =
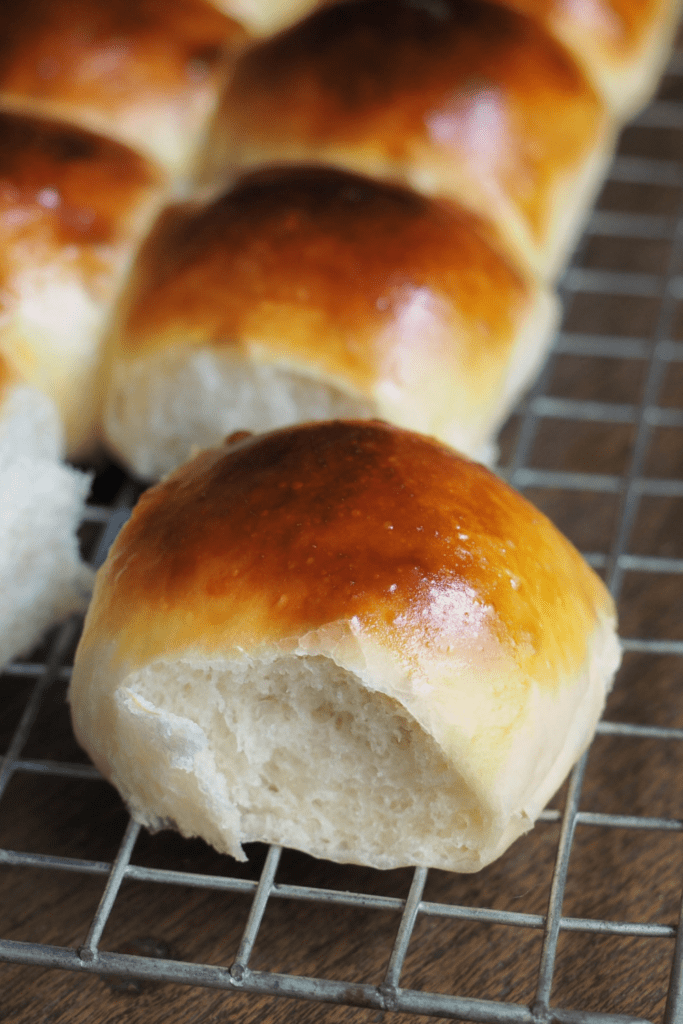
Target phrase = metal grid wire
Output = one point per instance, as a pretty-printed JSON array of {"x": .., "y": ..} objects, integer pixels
[{"x": 655, "y": 353}]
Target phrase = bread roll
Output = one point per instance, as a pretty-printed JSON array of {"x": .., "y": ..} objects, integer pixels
[
  {"x": 309, "y": 293},
  {"x": 622, "y": 45},
  {"x": 42, "y": 578},
  {"x": 343, "y": 638},
  {"x": 73, "y": 208},
  {"x": 145, "y": 72},
  {"x": 458, "y": 98}
]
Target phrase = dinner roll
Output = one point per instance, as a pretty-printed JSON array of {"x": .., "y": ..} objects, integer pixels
[
  {"x": 73, "y": 207},
  {"x": 622, "y": 45},
  {"x": 458, "y": 98},
  {"x": 343, "y": 638},
  {"x": 145, "y": 72},
  {"x": 311, "y": 293},
  {"x": 42, "y": 578}
]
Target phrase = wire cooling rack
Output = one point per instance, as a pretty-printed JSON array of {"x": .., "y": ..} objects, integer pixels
[{"x": 580, "y": 922}]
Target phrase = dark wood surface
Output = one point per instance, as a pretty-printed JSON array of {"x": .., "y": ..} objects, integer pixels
[{"x": 615, "y": 873}]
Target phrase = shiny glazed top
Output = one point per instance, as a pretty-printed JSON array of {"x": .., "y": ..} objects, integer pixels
[
  {"x": 418, "y": 83},
  {"x": 66, "y": 186},
  {"x": 621, "y": 25},
  {"x": 110, "y": 54},
  {"x": 328, "y": 270},
  {"x": 389, "y": 532}
]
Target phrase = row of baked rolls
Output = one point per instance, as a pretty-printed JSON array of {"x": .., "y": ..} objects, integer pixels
[
  {"x": 103, "y": 110},
  {"x": 414, "y": 313},
  {"x": 455, "y": 96},
  {"x": 340, "y": 637},
  {"x": 344, "y": 637},
  {"x": 110, "y": 64},
  {"x": 523, "y": 147},
  {"x": 471, "y": 100},
  {"x": 460, "y": 99},
  {"x": 622, "y": 45},
  {"x": 146, "y": 73},
  {"x": 302, "y": 294}
]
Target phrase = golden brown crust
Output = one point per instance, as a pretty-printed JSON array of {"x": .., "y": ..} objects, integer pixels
[
  {"x": 621, "y": 45},
  {"x": 621, "y": 26},
  {"x": 324, "y": 269},
  {"x": 77, "y": 186},
  {"x": 279, "y": 535},
  {"x": 103, "y": 65},
  {"x": 71, "y": 207},
  {"x": 420, "y": 88},
  {"x": 7, "y": 376}
]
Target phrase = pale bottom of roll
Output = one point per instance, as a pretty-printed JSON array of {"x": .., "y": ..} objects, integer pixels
[{"x": 162, "y": 408}]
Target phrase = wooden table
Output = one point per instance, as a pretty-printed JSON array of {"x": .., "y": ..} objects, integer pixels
[{"x": 616, "y": 873}]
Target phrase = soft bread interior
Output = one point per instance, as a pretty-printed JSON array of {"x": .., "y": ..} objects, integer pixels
[
  {"x": 42, "y": 578},
  {"x": 296, "y": 751}
]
